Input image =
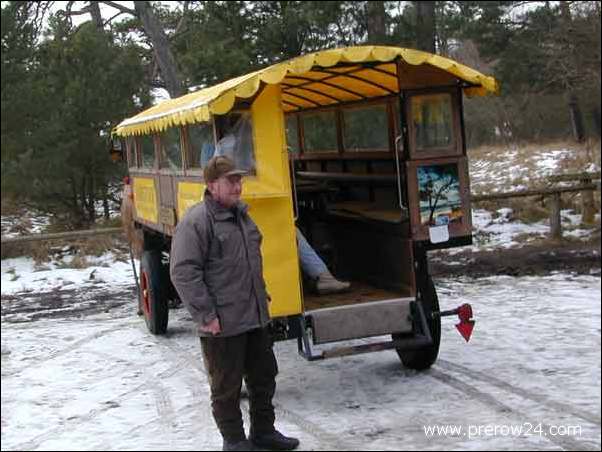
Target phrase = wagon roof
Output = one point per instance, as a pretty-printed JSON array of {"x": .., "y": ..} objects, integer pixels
[{"x": 318, "y": 79}]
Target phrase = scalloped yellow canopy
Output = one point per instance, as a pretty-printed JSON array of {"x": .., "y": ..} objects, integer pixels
[{"x": 316, "y": 80}]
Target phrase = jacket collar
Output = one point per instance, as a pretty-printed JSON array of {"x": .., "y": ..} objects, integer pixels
[{"x": 220, "y": 212}]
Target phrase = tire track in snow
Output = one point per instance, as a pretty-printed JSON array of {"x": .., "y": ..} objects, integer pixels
[
  {"x": 565, "y": 442},
  {"x": 35, "y": 442},
  {"x": 539, "y": 398},
  {"x": 83, "y": 341}
]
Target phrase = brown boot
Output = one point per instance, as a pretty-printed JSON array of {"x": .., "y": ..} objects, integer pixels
[{"x": 326, "y": 283}]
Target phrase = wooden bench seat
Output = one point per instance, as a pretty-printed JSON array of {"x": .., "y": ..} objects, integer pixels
[{"x": 369, "y": 211}]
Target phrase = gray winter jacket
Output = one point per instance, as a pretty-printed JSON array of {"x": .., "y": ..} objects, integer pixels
[{"x": 216, "y": 267}]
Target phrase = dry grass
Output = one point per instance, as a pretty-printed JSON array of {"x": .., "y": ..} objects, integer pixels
[
  {"x": 48, "y": 251},
  {"x": 519, "y": 165}
]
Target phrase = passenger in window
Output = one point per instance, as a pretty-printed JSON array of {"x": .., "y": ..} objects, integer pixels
[
  {"x": 207, "y": 151},
  {"x": 314, "y": 268},
  {"x": 236, "y": 139}
]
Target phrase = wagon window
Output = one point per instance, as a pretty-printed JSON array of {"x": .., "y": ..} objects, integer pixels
[
  {"x": 432, "y": 117},
  {"x": 292, "y": 133},
  {"x": 366, "y": 128},
  {"x": 235, "y": 132},
  {"x": 320, "y": 132},
  {"x": 202, "y": 144},
  {"x": 130, "y": 146},
  {"x": 146, "y": 148},
  {"x": 171, "y": 156}
]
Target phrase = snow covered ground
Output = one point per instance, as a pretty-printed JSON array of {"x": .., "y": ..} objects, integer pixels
[
  {"x": 529, "y": 379},
  {"x": 524, "y": 167}
]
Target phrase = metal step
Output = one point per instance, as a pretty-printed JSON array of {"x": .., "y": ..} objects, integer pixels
[{"x": 361, "y": 320}]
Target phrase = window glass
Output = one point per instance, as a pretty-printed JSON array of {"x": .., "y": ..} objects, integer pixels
[
  {"x": 202, "y": 146},
  {"x": 432, "y": 117},
  {"x": 171, "y": 156},
  {"x": 235, "y": 133},
  {"x": 292, "y": 133},
  {"x": 130, "y": 145},
  {"x": 320, "y": 132},
  {"x": 146, "y": 147},
  {"x": 366, "y": 128}
]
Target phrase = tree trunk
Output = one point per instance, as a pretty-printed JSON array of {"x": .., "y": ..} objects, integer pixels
[
  {"x": 105, "y": 206},
  {"x": 162, "y": 49},
  {"x": 596, "y": 119},
  {"x": 96, "y": 16},
  {"x": 576, "y": 117},
  {"x": 377, "y": 23},
  {"x": 572, "y": 100},
  {"x": 425, "y": 26}
]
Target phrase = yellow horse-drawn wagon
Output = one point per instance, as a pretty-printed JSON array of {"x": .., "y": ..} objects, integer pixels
[{"x": 362, "y": 148}]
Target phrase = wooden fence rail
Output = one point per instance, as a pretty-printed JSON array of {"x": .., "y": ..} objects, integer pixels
[
  {"x": 587, "y": 202},
  {"x": 539, "y": 192},
  {"x": 62, "y": 235}
]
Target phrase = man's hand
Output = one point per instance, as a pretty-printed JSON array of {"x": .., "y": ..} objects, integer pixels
[{"x": 212, "y": 327}]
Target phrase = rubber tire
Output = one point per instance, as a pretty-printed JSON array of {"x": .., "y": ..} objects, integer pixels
[
  {"x": 153, "y": 293},
  {"x": 424, "y": 358}
]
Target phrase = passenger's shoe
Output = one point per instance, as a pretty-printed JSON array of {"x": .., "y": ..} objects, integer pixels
[
  {"x": 326, "y": 283},
  {"x": 243, "y": 444},
  {"x": 274, "y": 441}
]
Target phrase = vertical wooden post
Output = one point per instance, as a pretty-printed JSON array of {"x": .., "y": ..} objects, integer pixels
[
  {"x": 587, "y": 204},
  {"x": 555, "y": 225}
]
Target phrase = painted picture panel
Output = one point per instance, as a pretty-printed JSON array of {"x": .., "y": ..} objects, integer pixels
[{"x": 439, "y": 194}]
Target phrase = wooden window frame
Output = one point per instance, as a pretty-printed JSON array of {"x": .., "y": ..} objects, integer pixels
[
  {"x": 456, "y": 148},
  {"x": 188, "y": 169},
  {"x": 386, "y": 107},
  {"x": 131, "y": 153},
  {"x": 155, "y": 167},
  {"x": 160, "y": 146},
  {"x": 341, "y": 153}
]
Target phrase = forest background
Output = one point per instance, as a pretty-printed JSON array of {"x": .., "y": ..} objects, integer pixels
[{"x": 72, "y": 70}]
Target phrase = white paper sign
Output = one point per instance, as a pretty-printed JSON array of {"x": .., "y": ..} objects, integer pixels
[{"x": 439, "y": 234}]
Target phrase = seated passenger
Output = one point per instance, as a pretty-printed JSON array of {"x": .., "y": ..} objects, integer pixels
[
  {"x": 314, "y": 267},
  {"x": 236, "y": 140},
  {"x": 207, "y": 152}
]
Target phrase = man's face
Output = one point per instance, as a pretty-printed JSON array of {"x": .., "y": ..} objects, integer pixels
[{"x": 226, "y": 190}]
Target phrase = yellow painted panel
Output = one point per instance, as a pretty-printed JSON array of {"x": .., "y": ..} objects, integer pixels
[
  {"x": 189, "y": 193},
  {"x": 145, "y": 198},
  {"x": 269, "y": 144},
  {"x": 274, "y": 217}
]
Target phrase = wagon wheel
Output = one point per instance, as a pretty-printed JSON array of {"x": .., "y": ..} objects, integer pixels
[
  {"x": 153, "y": 297},
  {"x": 425, "y": 357}
]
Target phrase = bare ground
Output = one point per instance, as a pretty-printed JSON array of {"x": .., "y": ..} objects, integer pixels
[{"x": 529, "y": 260}]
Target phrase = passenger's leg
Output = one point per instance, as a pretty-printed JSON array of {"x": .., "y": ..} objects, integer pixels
[
  {"x": 312, "y": 264},
  {"x": 315, "y": 268}
]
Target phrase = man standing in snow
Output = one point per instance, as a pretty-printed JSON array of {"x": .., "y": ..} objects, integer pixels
[{"x": 216, "y": 267}]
